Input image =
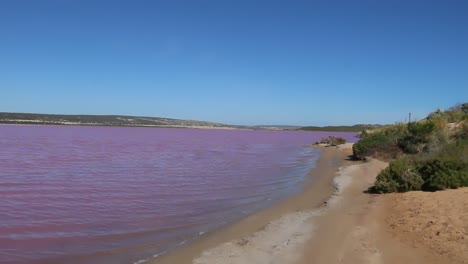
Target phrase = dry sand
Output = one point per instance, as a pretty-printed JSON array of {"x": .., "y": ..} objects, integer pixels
[
  {"x": 334, "y": 221},
  {"x": 436, "y": 221}
]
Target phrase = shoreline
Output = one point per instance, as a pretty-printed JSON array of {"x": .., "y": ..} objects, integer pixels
[
  {"x": 130, "y": 126},
  {"x": 312, "y": 197}
]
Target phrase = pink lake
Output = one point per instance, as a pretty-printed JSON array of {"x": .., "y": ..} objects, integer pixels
[{"x": 72, "y": 194}]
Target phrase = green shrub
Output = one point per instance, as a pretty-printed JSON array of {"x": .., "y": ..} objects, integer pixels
[
  {"x": 436, "y": 155},
  {"x": 419, "y": 134},
  {"x": 445, "y": 168},
  {"x": 409, "y": 145},
  {"x": 436, "y": 115},
  {"x": 400, "y": 176},
  {"x": 442, "y": 180},
  {"x": 457, "y": 150},
  {"x": 455, "y": 116},
  {"x": 334, "y": 141},
  {"x": 443, "y": 173},
  {"x": 392, "y": 140},
  {"x": 437, "y": 141},
  {"x": 431, "y": 175},
  {"x": 370, "y": 144},
  {"x": 420, "y": 131}
]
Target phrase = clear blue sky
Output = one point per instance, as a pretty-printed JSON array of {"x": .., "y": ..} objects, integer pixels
[{"x": 238, "y": 62}]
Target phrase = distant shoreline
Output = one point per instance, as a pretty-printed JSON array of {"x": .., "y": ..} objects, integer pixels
[
  {"x": 104, "y": 125},
  {"x": 105, "y": 120}
]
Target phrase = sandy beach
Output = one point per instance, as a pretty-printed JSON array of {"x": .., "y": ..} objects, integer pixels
[{"x": 335, "y": 221}]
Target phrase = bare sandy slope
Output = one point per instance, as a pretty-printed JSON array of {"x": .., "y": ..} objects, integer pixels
[{"x": 437, "y": 221}]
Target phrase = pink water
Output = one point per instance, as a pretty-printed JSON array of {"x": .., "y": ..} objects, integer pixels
[{"x": 119, "y": 195}]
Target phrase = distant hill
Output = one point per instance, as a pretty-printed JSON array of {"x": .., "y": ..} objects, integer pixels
[
  {"x": 144, "y": 121},
  {"x": 354, "y": 128},
  {"x": 104, "y": 120}
]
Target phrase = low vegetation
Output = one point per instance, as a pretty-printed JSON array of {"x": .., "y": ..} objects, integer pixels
[
  {"x": 428, "y": 155},
  {"x": 332, "y": 141},
  {"x": 354, "y": 128}
]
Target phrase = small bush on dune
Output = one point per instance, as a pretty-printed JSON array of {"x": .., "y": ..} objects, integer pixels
[
  {"x": 419, "y": 134},
  {"x": 340, "y": 141},
  {"x": 431, "y": 175},
  {"x": 457, "y": 150},
  {"x": 334, "y": 141},
  {"x": 452, "y": 115},
  {"x": 400, "y": 176},
  {"x": 457, "y": 113},
  {"x": 371, "y": 144},
  {"x": 443, "y": 173},
  {"x": 455, "y": 116},
  {"x": 439, "y": 139},
  {"x": 408, "y": 145},
  {"x": 445, "y": 169},
  {"x": 420, "y": 131},
  {"x": 442, "y": 180},
  {"x": 437, "y": 115},
  {"x": 396, "y": 131}
]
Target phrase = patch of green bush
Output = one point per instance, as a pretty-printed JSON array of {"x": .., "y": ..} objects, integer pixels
[
  {"x": 436, "y": 115},
  {"x": 419, "y": 134},
  {"x": 408, "y": 145},
  {"x": 420, "y": 131},
  {"x": 399, "y": 176},
  {"x": 397, "y": 130},
  {"x": 455, "y": 116},
  {"x": 443, "y": 173},
  {"x": 457, "y": 113},
  {"x": 446, "y": 169},
  {"x": 435, "y": 153},
  {"x": 371, "y": 144},
  {"x": 333, "y": 141}
]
